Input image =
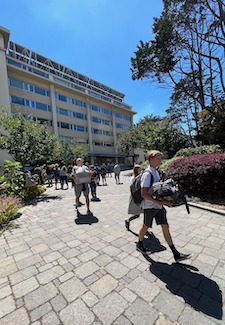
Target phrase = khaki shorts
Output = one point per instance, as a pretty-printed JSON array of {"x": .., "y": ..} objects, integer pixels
[
  {"x": 79, "y": 188},
  {"x": 158, "y": 214}
]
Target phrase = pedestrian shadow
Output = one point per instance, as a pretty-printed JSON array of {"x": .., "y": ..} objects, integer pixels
[
  {"x": 82, "y": 219},
  {"x": 200, "y": 292},
  {"x": 151, "y": 243}
]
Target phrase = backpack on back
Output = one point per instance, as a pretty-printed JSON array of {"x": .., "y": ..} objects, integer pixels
[
  {"x": 135, "y": 188},
  {"x": 169, "y": 191}
]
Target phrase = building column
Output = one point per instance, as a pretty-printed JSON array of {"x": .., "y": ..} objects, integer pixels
[
  {"x": 114, "y": 133},
  {"x": 4, "y": 89},
  {"x": 89, "y": 125},
  {"x": 54, "y": 112}
]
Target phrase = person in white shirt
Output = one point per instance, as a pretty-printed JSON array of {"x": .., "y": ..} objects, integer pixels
[
  {"x": 153, "y": 209},
  {"x": 84, "y": 187},
  {"x": 116, "y": 170}
]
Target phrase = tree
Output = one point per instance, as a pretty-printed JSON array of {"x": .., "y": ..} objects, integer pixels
[
  {"x": 186, "y": 54},
  {"x": 213, "y": 125},
  {"x": 153, "y": 132},
  {"x": 27, "y": 140},
  {"x": 72, "y": 150}
]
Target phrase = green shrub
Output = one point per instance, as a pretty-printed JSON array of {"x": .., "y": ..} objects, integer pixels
[
  {"x": 201, "y": 176},
  {"x": 30, "y": 192},
  {"x": 199, "y": 150},
  {"x": 166, "y": 164},
  {"x": 9, "y": 206},
  {"x": 12, "y": 178}
]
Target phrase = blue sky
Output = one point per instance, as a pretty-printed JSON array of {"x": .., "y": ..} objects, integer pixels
[{"x": 96, "y": 38}]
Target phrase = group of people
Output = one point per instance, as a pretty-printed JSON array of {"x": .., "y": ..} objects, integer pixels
[
  {"x": 59, "y": 174},
  {"x": 86, "y": 178}
]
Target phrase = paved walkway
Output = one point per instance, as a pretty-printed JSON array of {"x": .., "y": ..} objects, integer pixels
[{"x": 59, "y": 269}]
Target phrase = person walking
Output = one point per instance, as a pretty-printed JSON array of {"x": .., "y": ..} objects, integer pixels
[
  {"x": 153, "y": 209},
  {"x": 133, "y": 208},
  {"x": 79, "y": 187},
  {"x": 63, "y": 177},
  {"x": 103, "y": 174},
  {"x": 93, "y": 183},
  {"x": 116, "y": 170},
  {"x": 56, "y": 173},
  {"x": 49, "y": 173}
]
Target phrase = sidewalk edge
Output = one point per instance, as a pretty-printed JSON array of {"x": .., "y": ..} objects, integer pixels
[{"x": 203, "y": 207}]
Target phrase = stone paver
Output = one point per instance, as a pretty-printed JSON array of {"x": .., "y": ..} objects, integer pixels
[{"x": 57, "y": 268}]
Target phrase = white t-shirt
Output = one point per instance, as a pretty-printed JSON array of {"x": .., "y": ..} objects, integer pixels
[
  {"x": 146, "y": 182},
  {"x": 79, "y": 169}
]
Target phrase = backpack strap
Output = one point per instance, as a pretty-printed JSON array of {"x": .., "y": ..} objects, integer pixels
[{"x": 151, "y": 176}]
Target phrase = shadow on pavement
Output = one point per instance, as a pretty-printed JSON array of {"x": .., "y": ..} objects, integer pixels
[
  {"x": 151, "y": 243},
  {"x": 88, "y": 219},
  {"x": 44, "y": 198},
  {"x": 200, "y": 292}
]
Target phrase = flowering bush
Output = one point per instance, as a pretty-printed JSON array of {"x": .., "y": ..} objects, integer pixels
[
  {"x": 200, "y": 175},
  {"x": 9, "y": 206}
]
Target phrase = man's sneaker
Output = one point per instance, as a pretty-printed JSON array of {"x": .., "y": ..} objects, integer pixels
[
  {"x": 141, "y": 248},
  {"x": 182, "y": 257}
]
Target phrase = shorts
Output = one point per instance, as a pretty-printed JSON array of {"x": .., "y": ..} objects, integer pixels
[
  {"x": 158, "y": 214},
  {"x": 79, "y": 188}
]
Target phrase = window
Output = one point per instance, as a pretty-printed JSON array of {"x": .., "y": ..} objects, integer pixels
[
  {"x": 61, "y": 97},
  {"x": 63, "y": 111},
  {"x": 79, "y": 115},
  {"x": 96, "y": 131},
  {"x": 122, "y": 126},
  {"x": 124, "y": 117},
  {"x": 65, "y": 125},
  {"x": 80, "y": 128},
  {"x": 100, "y": 109},
  {"x": 23, "y": 85},
  {"x": 107, "y": 133},
  {"x": 43, "y": 107},
  {"x": 15, "y": 83},
  {"x": 70, "y": 100},
  {"x": 95, "y": 119},
  {"x": 17, "y": 100},
  {"x": 40, "y": 91}
]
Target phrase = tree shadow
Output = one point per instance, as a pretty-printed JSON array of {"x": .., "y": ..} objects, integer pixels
[
  {"x": 82, "y": 219},
  {"x": 44, "y": 198},
  {"x": 200, "y": 292}
]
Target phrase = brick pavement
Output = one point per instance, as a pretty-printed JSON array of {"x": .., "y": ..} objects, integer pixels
[{"x": 59, "y": 269}]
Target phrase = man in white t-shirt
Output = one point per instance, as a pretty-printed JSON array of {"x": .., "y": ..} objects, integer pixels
[
  {"x": 84, "y": 187},
  {"x": 153, "y": 209}
]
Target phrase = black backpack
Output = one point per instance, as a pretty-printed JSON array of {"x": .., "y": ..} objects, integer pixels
[{"x": 135, "y": 187}]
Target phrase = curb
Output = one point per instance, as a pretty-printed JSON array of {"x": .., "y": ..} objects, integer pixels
[{"x": 203, "y": 207}]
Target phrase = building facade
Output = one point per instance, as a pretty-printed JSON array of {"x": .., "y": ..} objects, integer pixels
[{"x": 73, "y": 105}]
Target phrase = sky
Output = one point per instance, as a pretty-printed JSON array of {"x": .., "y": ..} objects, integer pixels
[{"x": 96, "y": 38}]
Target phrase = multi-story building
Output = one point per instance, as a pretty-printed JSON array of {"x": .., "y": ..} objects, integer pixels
[{"x": 73, "y": 105}]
